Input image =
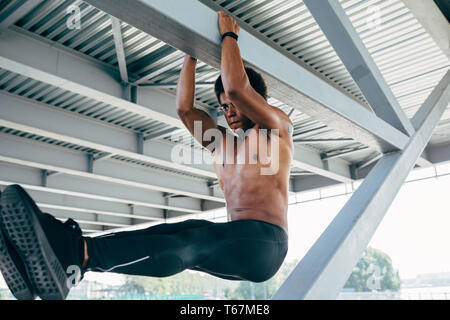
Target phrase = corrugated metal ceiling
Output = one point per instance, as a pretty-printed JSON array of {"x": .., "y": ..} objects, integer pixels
[{"x": 410, "y": 61}]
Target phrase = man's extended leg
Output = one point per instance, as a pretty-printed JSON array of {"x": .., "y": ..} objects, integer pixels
[
  {"x": 245, "y": 249},
  {"x": 113, "y": 252},
  {"x": 240, "y": 250}
]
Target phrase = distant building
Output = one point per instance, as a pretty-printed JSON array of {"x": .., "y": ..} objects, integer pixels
[{"x": 439, "y": 279}]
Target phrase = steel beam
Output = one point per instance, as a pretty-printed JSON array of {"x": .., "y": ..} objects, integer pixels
[
  {"x": 308, "y": 183},
  {"x": 369, "y": 162},
  {"x": 93, "y": 192},
  {"x": 438, "y": 153},
  {"x": 87, "y": 218},
  {"x": 191, "y": 27},
  {"x": 120, "y": 53},
  {"x": 325, "y": 268},
  {"x": 46, "y": 157},
  {"x": 94, "y": 210},
  {"x": 345, "y": 153},
  {"x": 160, "y": 134},
  {"x": 434, "y": 22},
  {"x": 70, "y": 73},
  {"x": 19, "y": 10},
  {"x": 341, "y": 34},
  {"x": 46, "y": 200},
  {"x": 173, "y": 85},
  {"x": 167, "y": 66},
  {"x": 39, "y": 119},
  {"x": 312, "y": 141},
  {"x": 43, "y": 60},
  {"x": 309, "y": 132},
  {"x": 48, "y": 122},
  {"x": 336, "y": 169}
]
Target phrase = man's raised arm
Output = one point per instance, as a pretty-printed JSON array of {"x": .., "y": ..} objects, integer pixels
[
  {"x": 237, "y": 85},
  {"x": 185, "y": 102}
]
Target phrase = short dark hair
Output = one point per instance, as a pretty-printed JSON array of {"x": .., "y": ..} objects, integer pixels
[{"x": 256, "y": 81}]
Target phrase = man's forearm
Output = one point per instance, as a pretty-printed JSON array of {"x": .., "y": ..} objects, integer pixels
[
  {"x": 232, "y": 69},
  {"x": 186, "y": 85}
]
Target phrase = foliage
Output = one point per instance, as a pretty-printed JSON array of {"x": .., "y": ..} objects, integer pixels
[{"x": 374, "y": 272}]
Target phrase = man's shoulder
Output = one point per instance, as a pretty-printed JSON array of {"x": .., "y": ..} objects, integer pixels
[
  {"x": 283, "y": 115},
  {"x": 285, "y": 122}
]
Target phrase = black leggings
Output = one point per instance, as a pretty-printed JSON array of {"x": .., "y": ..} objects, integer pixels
[{"x": 238, "y": 250}]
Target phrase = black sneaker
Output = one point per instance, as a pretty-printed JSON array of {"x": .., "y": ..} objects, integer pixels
[
  {"x": 13, "y": 270},
  {"x": 51, "y": 250}
]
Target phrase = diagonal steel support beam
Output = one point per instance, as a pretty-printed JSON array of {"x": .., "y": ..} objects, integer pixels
[
  {"x": 120, "y": 53},
  {"x": 191, "y": 27},
  {"x": 323, "y": 271},
  {"x": 338, "y": 28}
]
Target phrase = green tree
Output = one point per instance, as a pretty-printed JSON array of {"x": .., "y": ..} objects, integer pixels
[
  {"x": 374, "y": 271},
  {"x": 190, "y": 283}
]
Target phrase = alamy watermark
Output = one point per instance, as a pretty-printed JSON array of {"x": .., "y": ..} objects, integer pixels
[
  {"x": 74, "y": 20},
  {"x": 373, "y": 282},
  {"x": 246, "y": 147},
  {"x": 73, "y": 276},
  {"x": 373, "y": 20}
]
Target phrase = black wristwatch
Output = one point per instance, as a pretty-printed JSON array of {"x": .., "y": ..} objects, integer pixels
[{"x": 230, "y": 34}]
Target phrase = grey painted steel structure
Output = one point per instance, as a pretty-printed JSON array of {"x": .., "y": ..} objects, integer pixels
[
  {"x": 42, "y": 28},
  {"x": 325, "y": 268},
  {"x": 101, "y": 87},
  {"x": 115, "y": 171},
  {"x": 314, "y": 96},
  {"x": 323, "y": 271},
  {"x": 433, "y": 21},
  {"x": 18, "y": 10},
  {"x": 118, "y": 41},
  {"x": 339, "y": 30}
]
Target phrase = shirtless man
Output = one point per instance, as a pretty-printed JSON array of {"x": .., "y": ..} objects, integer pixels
[{"x": 38, "y": 253}]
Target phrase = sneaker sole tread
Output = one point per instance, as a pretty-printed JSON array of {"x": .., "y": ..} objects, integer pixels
[{"x": 26, "y": 234}]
